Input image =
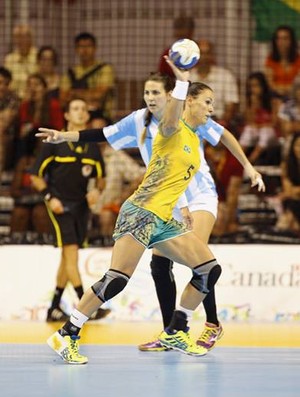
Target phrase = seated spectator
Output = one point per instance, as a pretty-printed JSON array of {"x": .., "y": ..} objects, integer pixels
[
  {"x": 123, "y": 175},
  {"x": 289, "y": 116},
  {"x": 222, "y": 81},
  {"x": 46, "y": 63},
  {"x": 39, "y": 109},
  {"x": 9, "y": 108},
  {"x": 29, "y": 212},
  {"x": 183, "y": 28},
  {"x": 91, "y": 79},
  {"x": 258, "y": 137},
  {"x": 290, "y": 195},
  {"x": 228, "y": 175},
  {"x": 283, "y": 63},
  {"x": 22, "y": 61}
]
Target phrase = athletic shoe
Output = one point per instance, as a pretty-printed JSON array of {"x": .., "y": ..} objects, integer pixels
[
  {"x": 154, "y": 346},
  {"x": 210, "y": 336},
  {"x": 182, "y": 342},
  {"x": 56, "y": 314},
  {"x": 67, "y": 348},
  {"x": 98, "y": 314}
]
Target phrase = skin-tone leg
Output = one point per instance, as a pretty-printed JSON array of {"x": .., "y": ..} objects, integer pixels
[
  {"x": 70, "y": 263},
  {"x": 61, "y": 276},
  {"x": 203, "y": 224},
  {"x": 125, "y": 256}
]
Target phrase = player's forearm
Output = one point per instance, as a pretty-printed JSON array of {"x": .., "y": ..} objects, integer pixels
[{"x": 235, "y": 148}]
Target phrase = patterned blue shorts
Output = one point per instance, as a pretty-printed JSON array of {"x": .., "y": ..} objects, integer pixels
[{"x": 146, "y": 227}]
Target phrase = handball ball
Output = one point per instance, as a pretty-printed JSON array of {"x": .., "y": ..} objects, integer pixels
[{"x": 185, "y": 53}]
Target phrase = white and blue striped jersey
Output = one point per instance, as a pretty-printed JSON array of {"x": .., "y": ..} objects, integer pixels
[{"x": 127, "y": 133}]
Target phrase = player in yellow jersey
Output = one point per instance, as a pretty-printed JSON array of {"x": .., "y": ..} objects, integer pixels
[{"x": 145, "y": 221}]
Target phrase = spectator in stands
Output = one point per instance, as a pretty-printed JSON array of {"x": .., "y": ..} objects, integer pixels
[
  {"x": 123, "y": 174},
  {"x": 91, "y": 79},
  {"x": 183, "y": 28},
  {"x": 37, "y": 109},
  {"x": 61, "y": 174},
  {"x": 290, "y": 195},
  {"x": 22, "y": 61},
  {"x": 289, "y": 116},
  {"x": 228, "y": 175},
  {"x": 9, "y": 108},
  {"x": 283, "y": 63},
  {"x": 47, "y": 62},
  {"x": 29, "y": 212},
  {"x": 258, "y": 137},
  {"x": 222, "y": 82}
]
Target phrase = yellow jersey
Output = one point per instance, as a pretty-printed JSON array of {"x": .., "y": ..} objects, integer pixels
[{"x": 174, "y": 161}]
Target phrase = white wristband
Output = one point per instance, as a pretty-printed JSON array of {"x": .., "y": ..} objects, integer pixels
[{"x": 180, "y": 90}]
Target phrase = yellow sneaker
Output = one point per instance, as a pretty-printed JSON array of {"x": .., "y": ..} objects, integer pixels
[
  {"x": 210, "y": 336},
  {"x": 67, "y": 348},
  {"x": 182, "y": 342}
]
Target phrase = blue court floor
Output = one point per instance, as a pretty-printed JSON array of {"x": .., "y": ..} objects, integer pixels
[{"x": 123, "y": 371}]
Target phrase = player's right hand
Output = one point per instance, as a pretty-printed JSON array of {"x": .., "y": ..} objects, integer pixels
[
  {"x": 180, "y": 74},
  {"x": 50, "y": 136}
]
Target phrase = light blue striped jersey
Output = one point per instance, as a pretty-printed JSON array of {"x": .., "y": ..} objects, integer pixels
[{"x": 127, "y": 133}]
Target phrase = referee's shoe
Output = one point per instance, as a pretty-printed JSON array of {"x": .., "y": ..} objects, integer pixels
[{"x": 99, "y": 314}]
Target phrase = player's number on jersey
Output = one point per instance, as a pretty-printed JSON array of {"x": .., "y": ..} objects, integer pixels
[{"x": 188, "y": 176}]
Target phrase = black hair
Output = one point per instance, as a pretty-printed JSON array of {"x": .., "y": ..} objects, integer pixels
[
  {"x": 293, "y": 172},
  {"x": 85, "y": 36},
  {"x": 5, "y": 73},
  {"x": 196, "y": 88},
  {"x": 184, "y": 22},
  {"x": 66, "y": 108},
  {"x": 38, "y": 77},
  {"x": 293, "y": 51},
  {"x": 47, "y": 48},
  {"x": 168, "y": 84},
  {"x": 266, "y": 94},
  {"x": 45, "y": 104}
]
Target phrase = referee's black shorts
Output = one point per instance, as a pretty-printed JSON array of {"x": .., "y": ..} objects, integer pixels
[{"x": 71, "y": 226}]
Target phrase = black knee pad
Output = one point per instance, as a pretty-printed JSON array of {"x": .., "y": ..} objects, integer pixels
[
  {"x": 161, "y": 266},
  {"x": 110, "y": 285},
  {"x": 205, "y": 276}
]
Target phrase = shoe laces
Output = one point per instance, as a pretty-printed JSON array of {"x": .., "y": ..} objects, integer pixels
[
  {"x": 208, "y": 333},
  {"x": 74, "y": 343}
]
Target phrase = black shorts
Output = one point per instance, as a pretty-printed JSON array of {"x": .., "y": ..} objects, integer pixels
[{"x": 71, "y": 226}]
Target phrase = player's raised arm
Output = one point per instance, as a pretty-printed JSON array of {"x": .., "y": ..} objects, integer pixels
[
  {"x": 174, "y": 107},
  {"x": 54, "y": 136}
]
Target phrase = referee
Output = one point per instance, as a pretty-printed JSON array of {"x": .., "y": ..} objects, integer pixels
[{"x": 62, "y": 174}]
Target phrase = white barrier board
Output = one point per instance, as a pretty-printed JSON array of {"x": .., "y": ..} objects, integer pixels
[{"x": 259, "y": 282}]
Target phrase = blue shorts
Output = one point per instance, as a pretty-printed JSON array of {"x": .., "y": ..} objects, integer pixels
[{"x": 146, "y": 227}]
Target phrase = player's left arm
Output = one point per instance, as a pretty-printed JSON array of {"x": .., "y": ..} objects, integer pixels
[{"x": 235, "y": 148}]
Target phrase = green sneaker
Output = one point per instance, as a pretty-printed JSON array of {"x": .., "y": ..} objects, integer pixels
[
  {"x": 182, "y": 342},
  {"x": 67, "y": 348}
]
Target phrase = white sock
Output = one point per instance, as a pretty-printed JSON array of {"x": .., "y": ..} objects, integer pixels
[
  {"x": 78, "y": 319},
  {"x": 189, "y": 313}
]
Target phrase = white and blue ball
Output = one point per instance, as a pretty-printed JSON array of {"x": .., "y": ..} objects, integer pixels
[{"x": 185, "y": 53}]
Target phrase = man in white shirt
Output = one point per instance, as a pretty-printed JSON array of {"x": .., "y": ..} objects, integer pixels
[{"x": 21, "y": 62}]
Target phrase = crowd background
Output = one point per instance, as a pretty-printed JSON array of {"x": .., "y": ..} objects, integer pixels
[{"x": 49, "y": 49}]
